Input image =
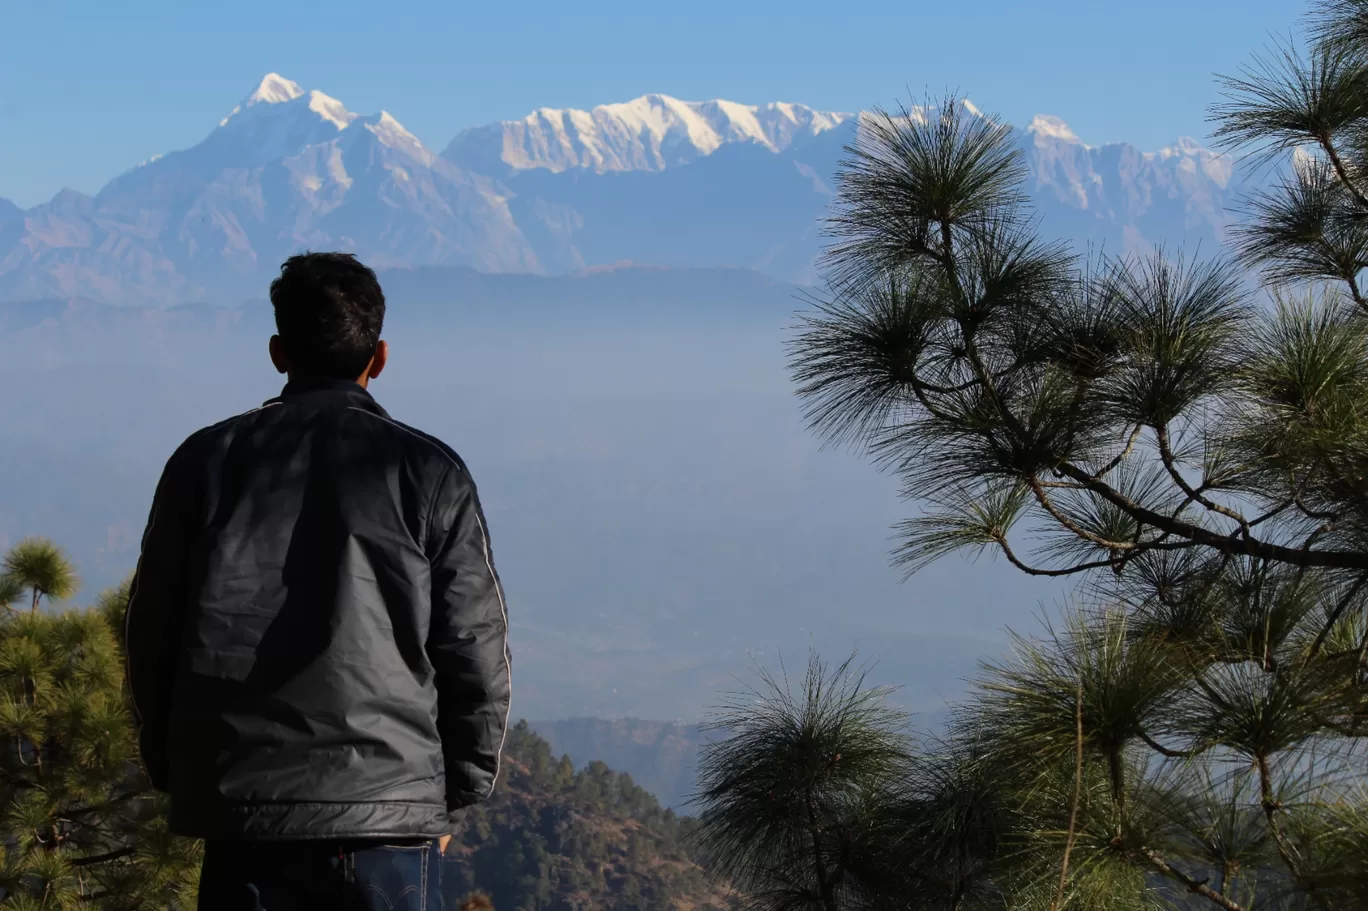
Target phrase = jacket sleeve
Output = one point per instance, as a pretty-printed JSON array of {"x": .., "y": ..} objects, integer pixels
[
  {"x": 467, "y": 644},
  {"x": 153, "y": 622}
]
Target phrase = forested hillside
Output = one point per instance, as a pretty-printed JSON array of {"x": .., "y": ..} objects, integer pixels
[
  {"x": 559, "y": 839},
  {"x": 661, "y": 756}
]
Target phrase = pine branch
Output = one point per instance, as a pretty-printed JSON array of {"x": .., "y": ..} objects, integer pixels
[
  {"x": 1355, "y": 292},
  {"x": 1170, "y": 465},
  {"x": 1195, "y": 886},
  {"x": 1058, "y": 515},
  {"x": 1286, "y": 851},
  {"x": 1335, "y": 615},
  {"x": 93, "y": 859},
  {"x": 1122, "y": 455},
  {"x": 1165, "y": 751},
  {"x": 1246, "y": 546},
  {"x": 1341, "y": 171},
  {"x": 1066, "y": 571}
]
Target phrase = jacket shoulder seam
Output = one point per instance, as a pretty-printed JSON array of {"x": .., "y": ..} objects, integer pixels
[
  {"x": 205, "y": 431},
  {"x": 432, "y": 443}
]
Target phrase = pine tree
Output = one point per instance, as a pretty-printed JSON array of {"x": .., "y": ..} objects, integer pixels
[
  {"x": 78, "y": 822},
  {"x": 792, "y": 796},
  {"x": 1188, "y": 439},
  {"x": 38, "y": 567}
]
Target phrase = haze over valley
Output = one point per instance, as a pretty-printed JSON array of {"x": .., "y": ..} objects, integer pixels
[{"x": 591, "y": 306}]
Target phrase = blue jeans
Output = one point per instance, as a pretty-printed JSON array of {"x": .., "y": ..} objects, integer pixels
[{"x": 304, "y": 876}]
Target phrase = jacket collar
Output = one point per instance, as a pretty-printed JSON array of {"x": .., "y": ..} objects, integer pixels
[{"x": 327, "y": 392}]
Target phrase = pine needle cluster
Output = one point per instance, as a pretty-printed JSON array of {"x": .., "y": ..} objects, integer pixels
[{"x": 79, "y": 824}]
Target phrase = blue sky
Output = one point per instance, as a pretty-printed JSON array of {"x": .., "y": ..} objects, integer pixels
[{"x": 88, "y": 89}]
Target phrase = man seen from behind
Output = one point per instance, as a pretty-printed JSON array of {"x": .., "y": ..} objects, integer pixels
[{"x": 317, "y": 637}]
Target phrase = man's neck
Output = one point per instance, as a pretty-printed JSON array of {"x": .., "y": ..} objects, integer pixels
[{"x": 291, "y": 378}]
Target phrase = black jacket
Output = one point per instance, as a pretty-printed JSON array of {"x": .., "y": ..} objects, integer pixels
[{"x": 317, "y": 638}]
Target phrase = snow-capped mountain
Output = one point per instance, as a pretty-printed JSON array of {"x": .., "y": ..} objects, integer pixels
[
  {"x": 655, "y": 181},
  {"x": 649, "y": 133},
  {"x": 1159, "y": 195},
  {"x": 755, "y": 205},
  {"x": 285, "y": 170}
]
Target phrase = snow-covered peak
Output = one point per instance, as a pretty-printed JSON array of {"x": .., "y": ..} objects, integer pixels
[
  {"x": 280, "y": 121},
  {"x": 276, "y": 120},
  {"x": 647, "y": 133},
  {"x": 1185, "y": 147},
  {"x": 1051, "y": 127},
  {"x": 274, "y": 89},
  {"x": 330, "y": 109},
  {"x": 392, "y": 134},
  {"x": 1190, "y": 156},
  {"x": 1050, "y": 135},
  {"x": 277, "y": 96},
  {"x": 385, "y": 126}
]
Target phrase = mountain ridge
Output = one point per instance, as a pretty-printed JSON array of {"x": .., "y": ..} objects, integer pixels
[
  {"x": 650, "y": 132},
  {"x": 654, "y": 180}
]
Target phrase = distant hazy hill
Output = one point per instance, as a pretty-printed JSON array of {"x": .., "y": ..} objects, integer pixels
[
  {"x": 661, "y": 756},
  {"x": 655, "y": 180},
  {"x": 555, "y": 838},
  {"x": 423, "y": 303}
]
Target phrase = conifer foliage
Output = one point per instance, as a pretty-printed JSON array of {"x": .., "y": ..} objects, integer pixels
[
  {"x": 1185, "y": 437},
  {"x": 79, "y": 825}
]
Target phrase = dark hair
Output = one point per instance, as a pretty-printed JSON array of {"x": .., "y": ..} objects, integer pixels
[{"x": 328, "y": 309}]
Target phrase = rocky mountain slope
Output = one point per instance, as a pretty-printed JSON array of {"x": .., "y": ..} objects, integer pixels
[{"x": 654, "y": 181}]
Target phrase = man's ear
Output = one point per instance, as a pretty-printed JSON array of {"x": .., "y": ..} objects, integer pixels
[
  {"x": 380, "y": 360},
  {"x": 278, "y": 357}
]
